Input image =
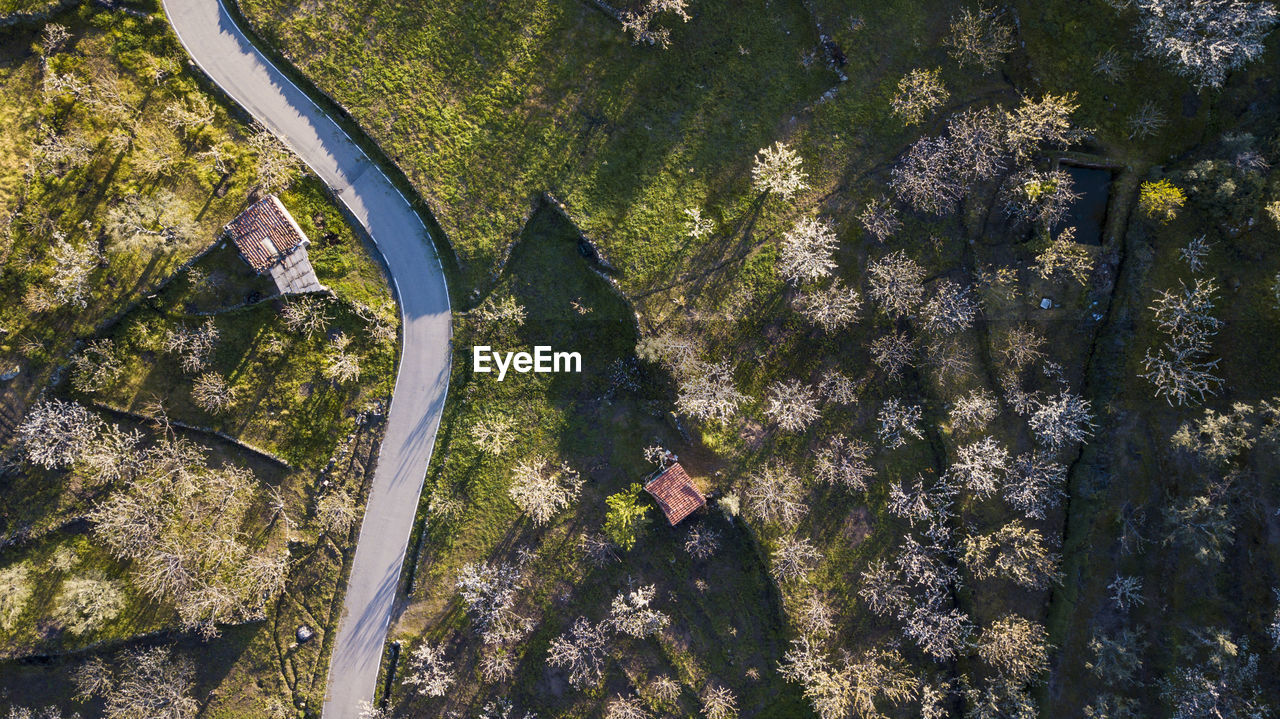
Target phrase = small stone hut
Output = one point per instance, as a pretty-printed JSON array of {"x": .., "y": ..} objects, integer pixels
[
  {"x": 675, "y": 494},
  {"x": 271, "y": 242}
]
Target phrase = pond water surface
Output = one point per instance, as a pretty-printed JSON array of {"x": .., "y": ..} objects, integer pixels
[{"x": 1089, "y": 213}]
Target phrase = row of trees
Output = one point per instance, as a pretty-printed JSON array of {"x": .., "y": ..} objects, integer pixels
[{"x": 184, "y": 524}]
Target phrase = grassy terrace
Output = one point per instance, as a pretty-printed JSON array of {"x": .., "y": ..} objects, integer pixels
[{"x": 120, "y": 107}]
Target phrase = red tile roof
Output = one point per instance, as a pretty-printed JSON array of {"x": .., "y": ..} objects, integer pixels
[
  {"x": 675, "y": 493},
  {"x": 265, "y": 232}
]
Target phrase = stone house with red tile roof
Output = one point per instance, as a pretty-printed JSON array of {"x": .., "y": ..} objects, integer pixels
[
  {"x": 675, "y": 493},
  {"x": 270, "y": 240}
]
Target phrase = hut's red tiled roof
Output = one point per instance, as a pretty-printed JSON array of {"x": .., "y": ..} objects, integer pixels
[
  {"x": 265, "y": 232},
  {"x": 675, "y": 493}
]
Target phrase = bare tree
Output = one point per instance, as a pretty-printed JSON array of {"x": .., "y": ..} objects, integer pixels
[
  {"x": 837, "y": 388},
  {"x": 152, "y": 683},
  {"x": 341, "y": 366},
  {"x": 707, "y": 392},
  {"x": 935, "y": 700},
  {"x": 1178, "y": 369},
  {"x": 1036, "y": 123},
  {"x": 92, "y": 678},
  {"x": 951, "y": 359},
  {"x": 973, "y": 411},
  {"x": 55, "y": 433},
  {"x": 702, "y": 542},
  {"x": 830, "y": 308},
  {"x": 921, "y": 502},
  {"x": 72, "y": 267},
  {"x": 53, "y": 38},
  {"x": 1116, "y": 659},
  {"x": 85, "y": 604},
  {"x": 1194, "y": 253},
  {"x": 149, "y": 223},
  {"x": 1015, "y": 552},
  {"x": 843, "y": 462},
  {"x": 639, "y": 24},
  {"x": 542, "y": 489},
  {"x": 920, "y": 92},
  {"x": 815, "y": 617},
  {"x": 699, "y": 226},
  {"x": 927, "y": 570},
  {"x": 497, "y": 665},
  {"x": 893, "y": 352},
  {"x": 1035, "y": 485},
  {"x": 977, "y": 144},
  {"x": 851, "y": 687},
  {"x": 981, "y": 37},
  {"x": 490, "y": 592},
  {"x": 1146, "y": 121},
  {"x": 665, "y": 689},
  {"x": 631, "y": 613},
  {"x": 59, "y": 154},
  {"x": 1110, "y": 65},
  {"x": 629, "y": 707},
  {"x": 981, "y": 466},
  {"x": 429, "y": 671},
  {"x": 930, "y": 177},
  {"x": 502, "y": 709},
  {"x": 1202, "y": 525},
  {"x": 1039, "y": 197},
  {"x": 183, "y": 525},
  {"x": 1017, "y": 648},
  {"x": 493, "y": 435},
  {"x": 794, "y": 559},
  {"x": 882, "y": 590},
  {"x": 337, "y": 512},
  {"x": 805, "y": 255},
  {"x": 306, "y": 315},
  {"x": 718, "y": 702},
  {"x": 1021, "y": 346},
  {"x": 1061, "y": 420},
  {"x": 1065, "y": 256},
  {"x": 792, "y": 405},
  {"x": 211, "y": 393},
  {"x": 277, "y": 166},
  {"x": 581, "y": 652},
  {"x": 16, "y": 588},
  {"x": 193, "y": 346},
  {"x": 1224, "y": 683},
  {"x": 113, "y": 456},
  {"x": 880, "y": 218},
  {"x": 95, "y": 367},
  {"x": 774, "y": 494},
  {"x": 950, "y": 309},
  {"x": 777, "y": 171},
  {"x": 598, "y": 549},
  {"x": 1205, "y": 39},
  {"x": 897, "y": 422},
  {"x": 503, "y": 312},
  {"x": 896, "y": 283},
  {"x": 1126, "y": 592},
  {"x": 942, "y": 633}
]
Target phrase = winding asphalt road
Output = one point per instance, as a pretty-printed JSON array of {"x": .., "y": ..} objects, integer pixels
[{"x": 231, "y": 61}]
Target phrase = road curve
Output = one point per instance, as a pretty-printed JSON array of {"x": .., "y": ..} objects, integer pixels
[{"x": 219, "y": 47}]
